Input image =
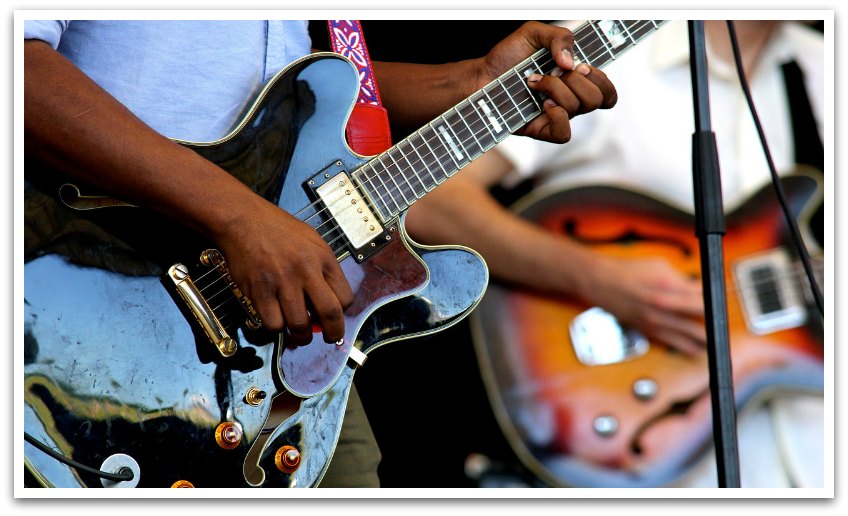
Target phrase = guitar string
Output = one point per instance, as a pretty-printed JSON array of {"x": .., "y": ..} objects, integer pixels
[{"x": 475, "y": 126}]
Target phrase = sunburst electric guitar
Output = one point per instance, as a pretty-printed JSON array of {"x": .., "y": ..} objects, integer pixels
[
  {"x": 586, "y": 402},
  {"x": 141, "y": 356}
]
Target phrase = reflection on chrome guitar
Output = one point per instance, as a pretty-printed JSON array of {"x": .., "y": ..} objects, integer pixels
[
  {"x": 587, "y": 403},
  {"x": 141, "y": 356}
]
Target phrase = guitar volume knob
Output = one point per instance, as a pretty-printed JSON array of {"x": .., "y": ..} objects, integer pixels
[
  {"x": 287, "y": 459},
  {"x": 228, "y": 435}
]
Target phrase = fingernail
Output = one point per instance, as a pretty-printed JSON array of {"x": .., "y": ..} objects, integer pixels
[
  {"x": 583, "y": 69},
  {"x": 534, "y": 77},
  {"x": 569, "y": 59},
  {"x": 549, "y": 103}
]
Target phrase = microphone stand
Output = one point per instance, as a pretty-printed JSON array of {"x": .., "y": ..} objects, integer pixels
[{"x": 710, "y": 229}]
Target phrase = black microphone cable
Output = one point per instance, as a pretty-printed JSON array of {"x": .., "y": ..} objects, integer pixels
[{"x": 778, "y": 187}]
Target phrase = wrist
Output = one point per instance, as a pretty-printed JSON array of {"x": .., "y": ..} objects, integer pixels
[{"x": 590, "y": 270}]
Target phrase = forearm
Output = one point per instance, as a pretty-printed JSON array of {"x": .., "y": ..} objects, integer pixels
[
  {"x": 78, "y": 128},
  {"x": 414, "y": 94},
  {"x": 461, "y": 211}
]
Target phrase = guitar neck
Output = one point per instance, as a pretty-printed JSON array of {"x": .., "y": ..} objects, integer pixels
[{"x": 397, "y": 178}]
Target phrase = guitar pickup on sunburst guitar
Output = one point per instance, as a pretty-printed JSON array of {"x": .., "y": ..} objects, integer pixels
[{"x": 349, "y": 211}]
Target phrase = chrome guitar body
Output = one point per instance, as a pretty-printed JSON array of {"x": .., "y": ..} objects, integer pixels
[{"x": 119, "y": 369}]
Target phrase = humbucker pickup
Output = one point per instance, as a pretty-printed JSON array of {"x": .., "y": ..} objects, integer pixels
[
  {"x": 349, "y": 210},
  {"x": 769, "y": 292}
]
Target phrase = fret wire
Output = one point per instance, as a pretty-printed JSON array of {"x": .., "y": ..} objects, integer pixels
[
  {"x": 470, "y": 131},
  {"x": 490, "y": 118},
  {"x": 627, "y": 32},
  {"x": 595, "y": 40},
  {"x": 484, "y": 120},
  {"x": 438, "y": 160},
  {"x": 578, "y": 49},
  {"x": 645, "y": 29},
  {"x": 629, "y": 27},
  {"x": 476, "y": 125},
  {"x": 360, "y": 178},
  {"x": 634, "y": 27},
  {"x": 494, "y": 105},
  {"x": 412, "y": 167},
  {"x": 539, "y": 69},
  {"x": 444, "y": 144},
  {"x": 532, "y": 97},
  {"x": 507, "y": 119},
  {"x": 603, "y": 39},
  {"x": 420, "y": 177},
  {"x": 399, "y": 189},
  {"x": 523, "y": 82},
  {"x": 458, "y": 139},
  {"x": 405, "y": 176},
  {"x": 425, "y": 140},
  {"x": 585, "y": 35},
  {"x": 385, "y": 187},
  {"x": 423, "y": 162},
  {"x": 529, "y": 97}
]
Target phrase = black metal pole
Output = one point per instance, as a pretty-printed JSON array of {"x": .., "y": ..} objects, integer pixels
[{"x": 710, "y": 229}]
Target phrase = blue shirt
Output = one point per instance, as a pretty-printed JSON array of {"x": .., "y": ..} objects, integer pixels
[{"x": 190, "y": 80}]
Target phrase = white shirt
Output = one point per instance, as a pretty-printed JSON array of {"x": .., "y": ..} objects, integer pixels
[{"x": 644, "y": 142}]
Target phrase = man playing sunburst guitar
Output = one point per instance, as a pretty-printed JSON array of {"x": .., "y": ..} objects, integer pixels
[{"x": 607, "y": 227}]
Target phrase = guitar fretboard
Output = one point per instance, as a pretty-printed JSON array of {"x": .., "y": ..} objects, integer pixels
[{"x": 397, "y": 178}]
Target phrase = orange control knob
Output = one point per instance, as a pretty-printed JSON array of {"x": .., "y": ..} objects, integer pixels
[
  {"x": 228, "y": 435},
  {"x": 182, "y": 483},
  {"x": 287, "y": 459}
]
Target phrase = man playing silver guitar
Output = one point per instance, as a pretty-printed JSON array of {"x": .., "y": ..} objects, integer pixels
[{"x": 108, "y": 105}]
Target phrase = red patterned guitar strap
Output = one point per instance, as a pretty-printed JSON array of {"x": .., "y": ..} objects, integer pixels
[{"x": 367, "y": 130}]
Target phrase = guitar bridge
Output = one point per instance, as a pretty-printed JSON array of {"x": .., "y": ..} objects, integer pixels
[
  {"x": 199, "y": 306},
  {"x": 214, "y": 257}
]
